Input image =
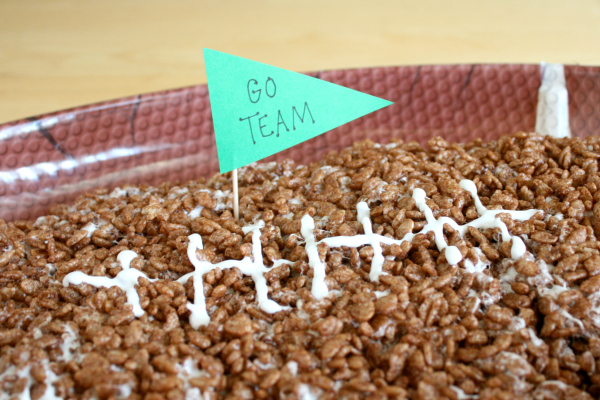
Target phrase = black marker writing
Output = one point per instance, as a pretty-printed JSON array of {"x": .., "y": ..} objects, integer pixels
[
  {"x": 267, "y": 87},
  {"x": 250, "y": 93},
  {"x": 261, "y": 126},
  {"x": 294, "y": 111},
  {"x": 250, "y": 123},
  {"x": 259, "y": 91},
  {"x": 280, "y": 121}
]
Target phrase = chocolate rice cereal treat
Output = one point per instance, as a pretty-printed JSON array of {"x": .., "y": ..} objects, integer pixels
[{"x": 456, "y": 271}]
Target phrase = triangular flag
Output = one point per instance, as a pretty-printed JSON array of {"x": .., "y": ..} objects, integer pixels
[{"x": 259, "y": 110}]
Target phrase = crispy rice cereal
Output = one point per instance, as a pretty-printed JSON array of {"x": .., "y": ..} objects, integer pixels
[{"x": 490, "y": 327}]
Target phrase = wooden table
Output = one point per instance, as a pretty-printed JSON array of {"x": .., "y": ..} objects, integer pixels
[{"x": 56, "y": 54}]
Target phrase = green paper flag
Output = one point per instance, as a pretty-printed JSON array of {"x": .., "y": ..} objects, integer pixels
[{"x": 259, "y": 110}]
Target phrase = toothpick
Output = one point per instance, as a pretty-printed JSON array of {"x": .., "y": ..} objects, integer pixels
[{"x": 236, "y": 196}]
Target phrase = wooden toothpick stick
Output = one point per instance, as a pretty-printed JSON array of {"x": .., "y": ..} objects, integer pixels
[{"x": 236, "y": 196}]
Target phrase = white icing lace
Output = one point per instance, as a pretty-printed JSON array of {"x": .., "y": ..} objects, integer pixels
[
  {"x": 487, "y": 219},
  {"x": 126, "y": 280},
  {"x": 255, "y": 268}
]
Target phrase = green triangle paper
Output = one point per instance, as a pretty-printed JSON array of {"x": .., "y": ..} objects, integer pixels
[{"x": 259, "y": 110}]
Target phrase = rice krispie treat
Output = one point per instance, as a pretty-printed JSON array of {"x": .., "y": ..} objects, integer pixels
[{"x": 382, "y": 272}]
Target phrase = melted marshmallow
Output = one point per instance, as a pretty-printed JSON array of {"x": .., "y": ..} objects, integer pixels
[
  {"x": 478, "y": 267},
  {"x": 487, "y": 219},
  {"x": 90, "y": 228},
  {"x": 49, "y": 392},
  {"x": 535, "y": 340},
  {"x": 20, "y": 374},
  {"x": 123, "y": 391},
  {"x": 461, "y": 395},
  {"x": 552, "y": 292},
  {"x": 195, "y": 213},
  {"x": 255, "y": 269},
  {"x": 118, "y": 192},
  {"x": 69, "y": 344},
  {"x": 51, "y": 378},
  {"x": 306, "y": 392},
  {"x": 187, "y": 371},
  {"x": 126, "y": 280},
  {"x": 380, "y": 294},
  {"x": 568, "y": 317}
]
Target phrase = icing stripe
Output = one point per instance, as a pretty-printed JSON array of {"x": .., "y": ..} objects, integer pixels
[
  {"x": 255, "y": 269},
  {"x": 487, "y": 219},
  {"x": 126, "y": 280}
]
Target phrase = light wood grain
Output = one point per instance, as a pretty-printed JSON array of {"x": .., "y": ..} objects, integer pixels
[{"x": 56, "y": 54}]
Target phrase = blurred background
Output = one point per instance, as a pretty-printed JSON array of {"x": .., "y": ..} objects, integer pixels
[{"x": 56, "y": 54}]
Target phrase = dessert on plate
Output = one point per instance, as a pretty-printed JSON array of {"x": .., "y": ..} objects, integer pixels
[{"x": 454, "y": 271}]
